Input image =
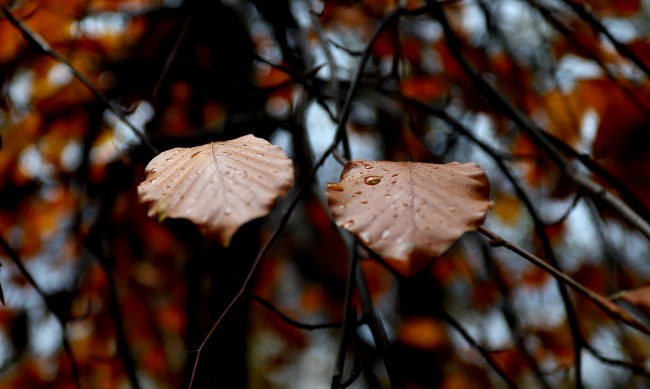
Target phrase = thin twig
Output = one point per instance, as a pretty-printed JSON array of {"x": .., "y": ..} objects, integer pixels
[
  {"x": 333, "y": 67},
  {"x": 377, "y": 328},
  {"x": 634, "y": 368},
  {"x": 41, "y": 45},
  {"x": 172, "y": 55},
  {"x": 481, "y": 350},
  {"x": 272, "y": 308},
  {"x": 508, "y": 311},
  {"x": 15, "y": 258},
  {"x": 602, "y": 302},
  {"x": 349, "y": 321},
  {"x": 115, "y": 310},
  {"x": 622, "y": 49}
]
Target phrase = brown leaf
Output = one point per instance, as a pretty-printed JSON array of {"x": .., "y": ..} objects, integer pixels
[
  {"x": 409, "y": 212},
  {"x": 219, "y": 186},
  {"x": 640, "y": 298}
]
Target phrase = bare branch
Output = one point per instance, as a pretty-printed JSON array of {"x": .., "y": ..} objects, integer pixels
[{"x": 41, "y": 45}]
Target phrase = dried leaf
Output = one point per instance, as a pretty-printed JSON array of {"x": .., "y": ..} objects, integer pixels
[
  {"x": 218, "y": 186},
  {"x": 640, "y": 298},
  {"x": 409, "y": 212},
  {"x": 424, "y": 333}
]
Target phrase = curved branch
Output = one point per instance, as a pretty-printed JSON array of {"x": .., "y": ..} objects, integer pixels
[{"x": 607, "y": 306}]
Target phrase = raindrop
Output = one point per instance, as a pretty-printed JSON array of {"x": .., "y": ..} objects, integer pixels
[
  {"x": 452, "y": 209},
  {"x": 260, "y": 155},
  {"x": 372, "y": 180},
  {"x": 358, "y": 192},
  {"x": 176, "y": 152},
  {"x": 226, "y": 211},
  {"x": 334, "y": 187},
  {"x": 153, "y": 182},
  {"x": 367, "y": 166},
  {"x": 385, "y": 234},
  {"x": 154, "y": 170},
  {"x": 347, "y": 224},
  {"x": 364, "y": 202}
]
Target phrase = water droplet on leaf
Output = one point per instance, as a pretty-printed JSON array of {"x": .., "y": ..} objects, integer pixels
[
  {"x": 334, "y": 187},
  {"x": 372, "y": 180}
]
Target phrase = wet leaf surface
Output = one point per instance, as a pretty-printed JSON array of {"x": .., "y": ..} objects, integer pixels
[
  {"x": 219, "y": 186},
  {"x": 409, "y": 212}
]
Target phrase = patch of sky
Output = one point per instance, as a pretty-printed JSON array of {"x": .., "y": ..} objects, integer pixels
[
  {"x": 632, "y": 247},
  {"x": 515, "y": 19},
  {"x": 301, "y": 13},
  {"x": 540, "y": 306},
  {"x": 490, "y": 330},
  {"x": 424, "y": 28},
  {"x": 123, "y": 135},
  {"x": 19, "y": 88},
  {"x": 32, "y": 163},
  {"x": 44, "y": 333},
  {"x": 100, "y": 24},
  {"x": 59, "y": 75},
  {"x": 320, "y": 133},
  {"x": 595, "y": 373},
  {"x": 571, "y": 68},
  {"x": 72, "y": 155},
  {"x": 473, "y": 21}
]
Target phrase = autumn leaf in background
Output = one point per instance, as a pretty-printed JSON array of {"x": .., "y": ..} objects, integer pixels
[
  {"x": 218, "y": 186},
  {"x": 409, "y": 212}
]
